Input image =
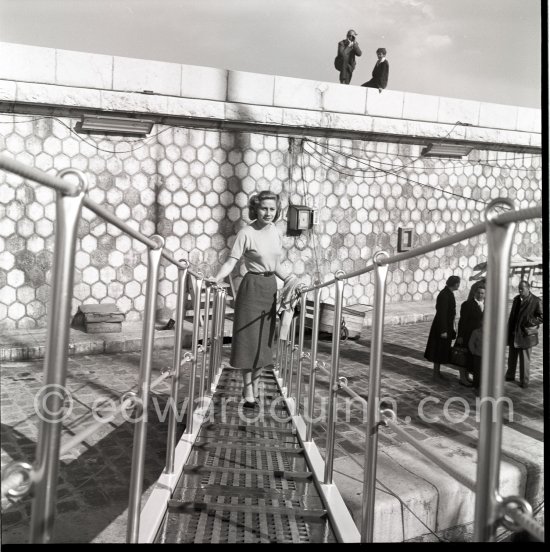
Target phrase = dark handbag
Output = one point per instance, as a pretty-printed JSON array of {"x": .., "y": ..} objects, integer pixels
[
  {"x": 459, "y": 356},
  {"x": 338, "y": 63}
]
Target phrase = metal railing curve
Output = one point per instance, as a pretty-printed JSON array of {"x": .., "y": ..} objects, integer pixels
[
  {"x": 19, "y": 478},
  {"x": 499, "y": 226}
]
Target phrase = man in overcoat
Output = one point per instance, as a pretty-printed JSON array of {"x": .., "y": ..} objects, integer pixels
[
  {"x": 523, "y": 332},
  {"x": 442, "y": 332},
  {"x": 345, "y": 60}
]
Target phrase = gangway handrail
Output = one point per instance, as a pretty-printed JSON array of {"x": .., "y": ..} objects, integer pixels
[
  {"x": 478, "y": 229},
  {"x": 499, "y": 225},
  {"x": 69, "y": 202},
  {"x": 72, "y": 189}
]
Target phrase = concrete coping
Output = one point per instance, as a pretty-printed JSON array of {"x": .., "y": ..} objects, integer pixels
[{"x": 96, "y": 81}]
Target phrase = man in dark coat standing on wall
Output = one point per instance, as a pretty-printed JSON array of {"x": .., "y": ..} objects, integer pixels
[
  {"x": 345, "y": 60},
  {"x": 442, "y": 332},
  {"x": 380, "y": 73},
  {"x": 523, "y": 332}
]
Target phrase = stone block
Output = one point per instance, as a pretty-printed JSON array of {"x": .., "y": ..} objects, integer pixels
[
  {"x": 535, "y": 140},
  {"x": 207, "y": 83},
  {"x": 529, "y": 120},
  {"x": 435, "y": 130},
  {"x": 250, "y": 88},
  {"x": 7, "y": 90},
  {"x": 386, "y": 104},
  {"x": 20, "y": 62},
  {"x": 57, "y": 95},
  {"x": 253, "y": 113},
  {"x": 299, "y": 93},
  {"x": 343, "y": 98},
  {"x": 346, "y": 121},
  {"x": 123, "y": 101},
  {"x": 84, "y": 69},
  {"x": 301, "y": 117},
  {"x": 195, "y": 108},
  {"x": 452, "y": 110},
  {"x": 420, "y": 107},
  {"x": 389, "y": 126},
  {"x": 498, "y": 116},
  {"x": 137, "y": 75}
]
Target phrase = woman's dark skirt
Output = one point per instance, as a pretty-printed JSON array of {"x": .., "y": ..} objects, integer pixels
[{"x": 254, "y": 323}]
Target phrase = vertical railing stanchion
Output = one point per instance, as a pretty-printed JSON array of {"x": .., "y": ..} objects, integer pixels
[
  {"x": 373, "y": 408},
  {"x": 197, "y": 288},
  {"x": 291, "y": 345},
  {"x": 313, "y": 363},
  {"x": 214, "y": 336},
  {"x": 142, "y": 401},
  {"x": 284, "y": 361},
  {"x": 46, "y": 467},
  {"x": 174, "y": 392},
  {"x": 223, "y": 305},
  {"x": 205, "y": 339},
  {"x": 277, "y": 364},
  {"x": 334, "y": 367},
  {"x": 499, "y": 246},
  {"x": 300, "y": 352}
]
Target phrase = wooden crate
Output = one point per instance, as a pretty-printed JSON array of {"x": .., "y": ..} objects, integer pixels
[{"x": 352, "y": 315}]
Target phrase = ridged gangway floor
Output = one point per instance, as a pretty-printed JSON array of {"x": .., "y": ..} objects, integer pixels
[{"x": 247, "y": 478}]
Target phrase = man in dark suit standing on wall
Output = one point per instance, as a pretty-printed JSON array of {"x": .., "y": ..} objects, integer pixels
[
  {"x": 523, "y": 332},
  {"x": 345, "y": 60},
  {"x": 380, "y": 73}
]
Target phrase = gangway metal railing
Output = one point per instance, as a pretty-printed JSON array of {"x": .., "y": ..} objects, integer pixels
[
  {"x": 491, "y": 509},
  {"x": 20, "y": 477}
]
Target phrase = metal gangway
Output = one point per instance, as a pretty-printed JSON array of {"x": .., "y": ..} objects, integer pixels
[{"x": 258, "y": 476}]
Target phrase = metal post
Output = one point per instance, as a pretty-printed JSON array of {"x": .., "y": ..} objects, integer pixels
[
  {"x": 284, "y": 360},
  {"x": 205, "y": 339},
  {"x": 178, "y": 340},
  {"x": 219, "y": 332},
  {"x": 373, "y": 402},
  {"x": 197, "y": 288},
  {"x": 334, "y": 367},
  {"x": 142, "y": 403},
  {"x": 223, "y": 305},
  {"x": 52, "y": 413},
  {"x": 214, "y": 334},
  {"x": 291, "y": 344},
  {"x": 301, "y": 332},
  {"x": 499, "y": 245},
  {"x": 313, "y": 363}
]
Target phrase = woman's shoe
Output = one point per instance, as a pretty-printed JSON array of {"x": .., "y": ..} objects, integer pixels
[{"x": 248, "y": 404}]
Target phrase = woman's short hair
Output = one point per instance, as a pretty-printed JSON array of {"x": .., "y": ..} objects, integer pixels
[
  {"x": 452, "y": 281},
  {"x": 255, "y": 200},
  {"x": 381, "y": 51}
]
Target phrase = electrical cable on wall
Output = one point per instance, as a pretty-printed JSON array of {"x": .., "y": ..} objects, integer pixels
[
  {"x": 397, "y": 175},
  {"x": 523, "y": 157}
]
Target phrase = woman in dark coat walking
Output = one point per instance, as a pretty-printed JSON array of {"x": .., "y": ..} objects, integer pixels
[{"x": 442, "y": 332}]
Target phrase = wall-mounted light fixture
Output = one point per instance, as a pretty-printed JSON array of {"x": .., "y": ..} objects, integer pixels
[
  {"x": 454, "y": 151},
  {"x": 114, "y": 125}
]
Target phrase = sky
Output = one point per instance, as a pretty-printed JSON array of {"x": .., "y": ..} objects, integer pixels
[{"x": 486, "y": 50}]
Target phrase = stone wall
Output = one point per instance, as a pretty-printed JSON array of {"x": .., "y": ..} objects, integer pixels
[{"x": 191, "y": 186}]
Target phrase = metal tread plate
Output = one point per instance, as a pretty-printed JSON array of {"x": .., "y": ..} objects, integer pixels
[{"x": 244, "y": 519}]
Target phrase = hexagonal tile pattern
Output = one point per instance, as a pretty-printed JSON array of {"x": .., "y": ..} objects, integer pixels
[{"x": 192, "y": 186}]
